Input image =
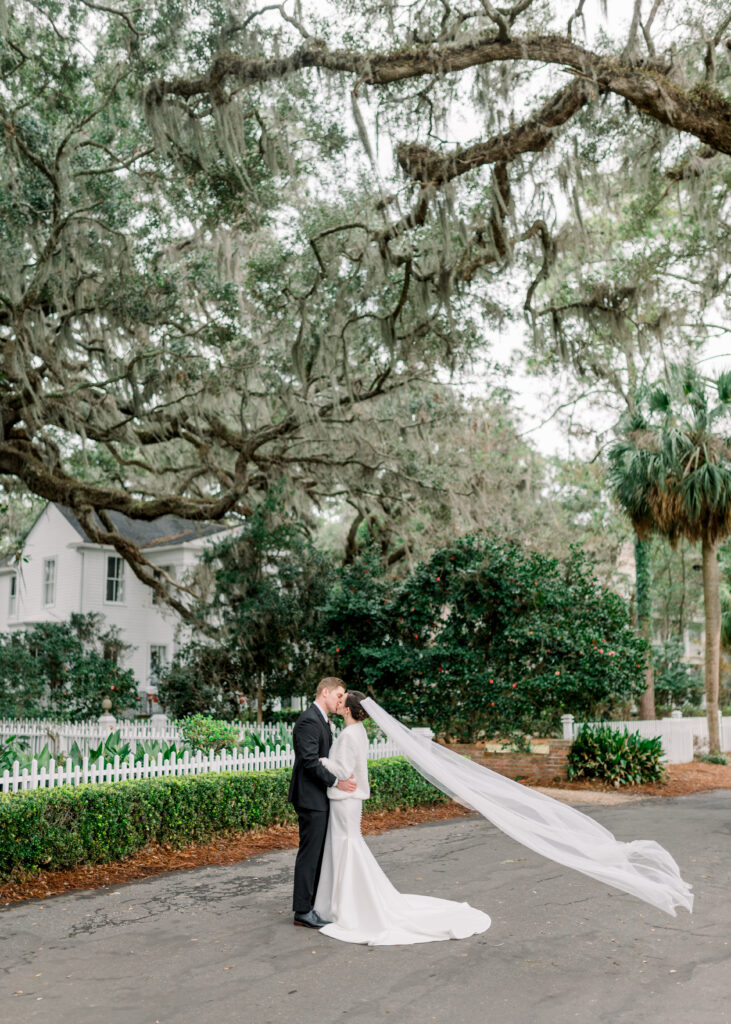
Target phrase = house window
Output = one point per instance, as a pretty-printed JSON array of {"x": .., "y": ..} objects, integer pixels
[
  {"x": 158, "y": 661},
  {"x": 13, "y": 606},
  {"x": 158, "y": 574},
  {"x": 115, "y": 579},
  {"x": 49, "y": 581}
]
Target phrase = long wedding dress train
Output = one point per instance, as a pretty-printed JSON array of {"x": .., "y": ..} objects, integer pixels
[{"x": 354, "y": 893}]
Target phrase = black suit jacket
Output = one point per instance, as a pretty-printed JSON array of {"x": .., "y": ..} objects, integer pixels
[{"x": 311, "y": 739}]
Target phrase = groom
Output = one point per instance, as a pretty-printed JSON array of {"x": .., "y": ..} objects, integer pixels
[{"x": 311, "y": 739}]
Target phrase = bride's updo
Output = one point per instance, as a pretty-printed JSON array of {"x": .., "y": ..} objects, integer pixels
[{"x": 353, "y": 700}]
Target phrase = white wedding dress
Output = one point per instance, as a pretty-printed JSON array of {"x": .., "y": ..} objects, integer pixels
[{"x": 354, "y": 893}]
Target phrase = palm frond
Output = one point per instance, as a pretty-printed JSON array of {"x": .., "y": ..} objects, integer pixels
[
  {"x": 723, "y": 386},
  {"x": 658, "y": 400}
]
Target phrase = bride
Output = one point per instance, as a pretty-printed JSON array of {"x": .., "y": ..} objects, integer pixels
[
  {"x": 361, "y": 905},
  {"x": 354, "y": 894}
]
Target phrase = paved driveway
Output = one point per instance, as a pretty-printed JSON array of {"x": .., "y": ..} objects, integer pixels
[{"x": 217, "y": 946}]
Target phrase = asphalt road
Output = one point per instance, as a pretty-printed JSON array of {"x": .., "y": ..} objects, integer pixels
[{"x": 217, "y": 946}]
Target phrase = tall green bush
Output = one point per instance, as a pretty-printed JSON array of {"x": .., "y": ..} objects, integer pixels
[
  {"x": 64, "y": 668},
  {"x": 485, "y": 637}
]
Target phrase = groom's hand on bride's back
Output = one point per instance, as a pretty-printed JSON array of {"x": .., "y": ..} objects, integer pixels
[{"x": 347, "y": 785}]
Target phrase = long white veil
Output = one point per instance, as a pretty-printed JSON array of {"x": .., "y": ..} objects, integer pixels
[{"x": 642, "y": 868}]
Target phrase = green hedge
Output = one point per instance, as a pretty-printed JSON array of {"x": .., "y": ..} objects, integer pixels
[{"x": 94, "y": 824}]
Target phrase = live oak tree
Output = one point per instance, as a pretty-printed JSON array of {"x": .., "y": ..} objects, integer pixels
[
  {"x": 476, "y": 471},
  {"x": 236, "y": 237}
]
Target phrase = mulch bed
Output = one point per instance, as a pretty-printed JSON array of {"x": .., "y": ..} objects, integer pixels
[
  {"x": 682, "y": 779},
  {"x": 155, "y": 859}
]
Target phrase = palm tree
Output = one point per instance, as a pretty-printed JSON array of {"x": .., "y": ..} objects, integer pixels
[
  {"x": 627, "y": 487},
  {"x": 670, "y": 470}
]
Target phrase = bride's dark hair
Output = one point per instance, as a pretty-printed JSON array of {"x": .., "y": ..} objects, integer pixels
[{"x": 353, "y": 700}]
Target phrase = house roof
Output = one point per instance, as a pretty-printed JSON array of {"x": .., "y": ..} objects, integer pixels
[{"x": 165, "y": 531}]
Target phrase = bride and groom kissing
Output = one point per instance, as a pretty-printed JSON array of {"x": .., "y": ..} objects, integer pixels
[{"x": 339, "y": 887}]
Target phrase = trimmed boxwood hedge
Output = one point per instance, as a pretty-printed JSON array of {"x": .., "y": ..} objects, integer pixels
[{"x": 94, "y": 824}]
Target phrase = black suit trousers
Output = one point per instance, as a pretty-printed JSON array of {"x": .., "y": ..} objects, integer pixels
[{"x": 313, "y": 829}]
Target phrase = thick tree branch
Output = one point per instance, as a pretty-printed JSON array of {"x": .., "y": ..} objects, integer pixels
[
  {"x": 20, "y": 459},
  {"x": 422, "y": 163},
  {"x": 645, "y": 85}
]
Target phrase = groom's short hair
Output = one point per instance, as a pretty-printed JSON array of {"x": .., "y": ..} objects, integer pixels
[{"x": 329, "y": 683}]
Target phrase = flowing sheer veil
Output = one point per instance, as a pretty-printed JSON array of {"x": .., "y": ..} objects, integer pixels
[{"x": 642, "y": 868}]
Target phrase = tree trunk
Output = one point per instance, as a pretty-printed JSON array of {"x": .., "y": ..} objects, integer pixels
[
  {"x": 712, "y": 608},
  {"x": 644, "y": 621},
  {"x": 259, "y": 700}
]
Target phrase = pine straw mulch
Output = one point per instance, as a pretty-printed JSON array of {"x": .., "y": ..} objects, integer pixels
[{"x": 154, "y": 859}]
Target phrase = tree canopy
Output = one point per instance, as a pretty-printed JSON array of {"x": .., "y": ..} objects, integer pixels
[{"x": 240, "y": 241}]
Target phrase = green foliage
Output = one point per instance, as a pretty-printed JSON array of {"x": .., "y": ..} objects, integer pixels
[
  {"x": 204, "y": 733},
  {"x": 93, "y": 824},
  {"x": 203, "y": 678},
  {"x": 715, "y": 757},
  {"x": 154, "y": 749},
  {"x": 517, "y": 742},
  {"x": 13, "y": 749},
  {"x": 247, "y": 280},
  {"x": 676, "y": 682},
  {"x": 622, "y": 758},
  {"x": 252, "y": 740},
  {"x": 200, "y": 732},
  {"x": 284, "y": 716},
  {"x": 484, "y": 637},
  {"x": 61, "y": 668},
  {"x": 670, "y": 468},
  {"x": 109, "y": 748}
]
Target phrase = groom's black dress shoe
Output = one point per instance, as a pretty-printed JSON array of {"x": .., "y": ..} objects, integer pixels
[{"x": 309, "y": 920}]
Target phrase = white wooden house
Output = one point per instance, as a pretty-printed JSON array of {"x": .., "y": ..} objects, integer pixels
[{"x": 62, "y": 571}]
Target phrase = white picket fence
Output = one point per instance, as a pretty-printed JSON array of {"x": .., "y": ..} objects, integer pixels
[
  {"x": 66, "y": 774},
  {"x": 681, "y": 737},
  {"x": 60, "y": 736}
]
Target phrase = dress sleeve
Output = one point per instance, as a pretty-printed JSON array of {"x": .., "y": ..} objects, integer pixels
[{"x": 341, "y": 761}]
